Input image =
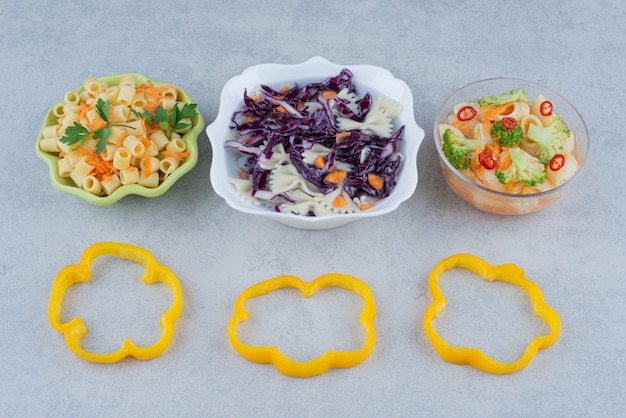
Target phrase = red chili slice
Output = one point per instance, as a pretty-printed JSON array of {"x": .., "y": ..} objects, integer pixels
[
  {"x": 486, "y": 160},
  {"x": 466, "y": 113},
  {"x": 509, "y": 123},
  {"x": 546, "y": 108},
  {"x": 557, "y": 162}
]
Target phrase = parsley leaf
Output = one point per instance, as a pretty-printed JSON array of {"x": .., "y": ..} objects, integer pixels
[
  {"x": 102, "y": 109},
  {"x": 77, "y": 134},
  {"x": 160, "y": 116},
  {"x": 187, "y": 111},
  {"x": 169, "y": 123}
]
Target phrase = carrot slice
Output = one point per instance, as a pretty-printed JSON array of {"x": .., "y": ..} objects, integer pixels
[
  {"x": 341, "y": 135},
  {"x": 375, "y": 181},
  {"x": 320, "y": 161},
  {"x": 336, "y": 177},
  {"x": 339, "y": 202}
]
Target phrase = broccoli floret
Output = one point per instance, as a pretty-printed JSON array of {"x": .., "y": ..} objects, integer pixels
[
  {"x": 506, "y": 97},
  {"x": 507, "y": 137},
  {"x": 524, "y": 168},
  {"x": 549, "y": 139},
  {"x": 458, "y": 149}
]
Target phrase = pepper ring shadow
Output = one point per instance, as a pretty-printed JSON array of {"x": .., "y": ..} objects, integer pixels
[{"x": 75, "y": 329}]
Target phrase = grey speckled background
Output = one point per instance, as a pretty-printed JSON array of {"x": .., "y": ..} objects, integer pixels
[{"x": 575, "y": 251}]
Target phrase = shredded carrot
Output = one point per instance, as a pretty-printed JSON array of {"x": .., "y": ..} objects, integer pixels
[
  {"x": 242, "y": 175},
  {"x": 97, "y": 123},
  {"x": 254, "y": 98},
  {"x": 83, "y": 109},
  {"x": 144, "y": 141},
  {"x": 101, "y": 168},
  {"x": 320, "y": 161},
  {"x": 149, "y": 88},
  {"x": 506, "y": 161},
  {"x": 151, "y": 129},
  {"x": 341, "y": 135},
  {"x": 375, "y": 181},
  {"x": 122, "y": 137},
  {"x": 147, "y": 169},
  {"x": 490, "y": 113},
  {"x": 509, "y": 186},
  {"x": 366, "y": 206},
  {"x": 328, "y": 94},
  {"x": 151, "y": 106},
  {"x": 495, "y": 149},
  {"x": 285, "y": 89},
  {"x": 339, "y": 202},
  {"x": 466, "y": 127},
  {"x": 281, "y": 109},
  {"x": 177, "y": 156},
  {"x": 475, "y": 159},
  {"x": 336, "y": 177}
]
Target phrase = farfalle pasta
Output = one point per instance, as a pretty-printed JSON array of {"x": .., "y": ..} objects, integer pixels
[{"x": 316, "y": 150}]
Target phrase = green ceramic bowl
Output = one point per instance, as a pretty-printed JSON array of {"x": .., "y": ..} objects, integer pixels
[{"x": 66, "y": 185}]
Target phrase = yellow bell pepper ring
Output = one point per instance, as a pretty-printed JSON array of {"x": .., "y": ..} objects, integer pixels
[
  {"x": 75, "y": 329},
  {"x": 509, "y": 273},
  {"x": 328, "y": 360}
]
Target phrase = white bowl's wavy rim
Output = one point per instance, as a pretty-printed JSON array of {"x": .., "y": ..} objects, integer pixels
[
  {"x": 484, "y": 189},
  {"x": 314, "y": 69},
  {"x": 190, "y": 138}
]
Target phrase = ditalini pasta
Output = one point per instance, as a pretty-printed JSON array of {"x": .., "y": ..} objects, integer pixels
[{"x": 110, "y": 136}]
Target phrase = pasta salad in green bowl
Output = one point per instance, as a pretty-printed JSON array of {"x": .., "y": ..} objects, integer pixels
[{"x": 120, "y": 135}]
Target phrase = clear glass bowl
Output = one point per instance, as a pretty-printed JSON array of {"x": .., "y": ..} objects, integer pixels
[{"x": 497, "y": 202}]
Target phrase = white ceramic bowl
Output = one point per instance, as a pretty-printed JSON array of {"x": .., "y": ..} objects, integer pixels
[
  {"x": 497, "y": 202},
  {"x": 367, "y": 78}
]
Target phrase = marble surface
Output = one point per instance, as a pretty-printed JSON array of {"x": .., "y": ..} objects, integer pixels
[{"x": 574, "y": 250}]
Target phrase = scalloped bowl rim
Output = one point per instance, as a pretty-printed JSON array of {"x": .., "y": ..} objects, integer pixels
[
  {"x": 65, "y": 186},
  {"x": 314, "y": 69},
  {"x": 484, "y": 189}
]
